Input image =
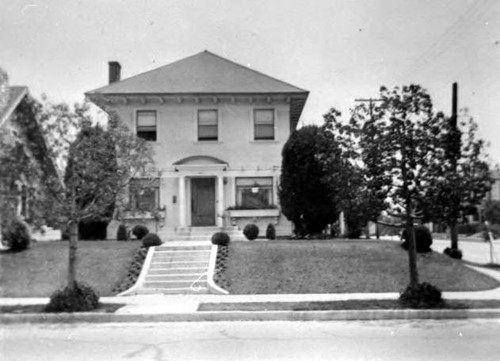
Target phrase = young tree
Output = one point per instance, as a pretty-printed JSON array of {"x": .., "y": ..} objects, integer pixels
[
  {"x": 461, "y": 174},
  {"x": 97, "y": 173},
  {"x": 396, "y": 142},
  {"x": 91, "y": 136},
  {"x": 304, "y": 195}
]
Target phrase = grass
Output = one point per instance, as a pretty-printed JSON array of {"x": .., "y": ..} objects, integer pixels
[
  {"x": 42, "y": 269},
  {"x": 339, "y": 266},
  {"x": 338, "y": 305}
]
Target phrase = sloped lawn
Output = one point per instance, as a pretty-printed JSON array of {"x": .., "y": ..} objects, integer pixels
[
  {"x": 42, "y": 269},
  {"x": 339, "y": 266}
]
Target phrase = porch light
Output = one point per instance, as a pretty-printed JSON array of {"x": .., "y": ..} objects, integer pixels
[{"x": 255, "y": 189}]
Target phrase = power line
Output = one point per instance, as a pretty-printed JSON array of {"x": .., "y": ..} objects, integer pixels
[{"x": 465, "y": 21}]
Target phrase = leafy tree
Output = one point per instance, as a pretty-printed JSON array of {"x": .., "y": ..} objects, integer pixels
[
  {"x": 461, "y": 175},
  {"x": 359, "y": 194},
  {"x": 90, "y": 137},
  {"x": 97, "y": 173},
  {"x": 304, "y": 195},
  {"x": 395, "y": 142}
]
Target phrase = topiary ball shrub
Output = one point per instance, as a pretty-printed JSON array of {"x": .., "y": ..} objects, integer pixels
[
  {"x": 251, "y": 231},
  {"x": 270, "y": 231},
  {"x": 423, "y": 239},
  {"x": 122, "y": 233},
  {"x": 423, "y": 295},
  {"x": 79, "y": 298},
  {"x": 140, "y": 231},
  {"x": 220, "y": 239},
  {"x": 453, "y": 253},
  {"x": 16, "y": 235},
  {"x": 151, "y": 240}
]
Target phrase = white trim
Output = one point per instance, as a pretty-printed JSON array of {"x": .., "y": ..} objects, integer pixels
[
  {"x": 212, "y": 286},
  {"x": 134, "y": 115},
  {"x": 275, "y": 121},
  {"x": 197, "y": 110},
  {"x": 142, "y": 276}
]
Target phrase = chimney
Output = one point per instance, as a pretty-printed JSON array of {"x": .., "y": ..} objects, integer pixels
[{"x": 114, "y": 71}]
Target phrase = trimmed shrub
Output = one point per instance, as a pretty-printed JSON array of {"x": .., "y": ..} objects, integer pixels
[
  {"x": 133, "y": 273},
  {"x": 424, "y": 295},
  {"x": 151, "y": 240},
  {"x": 251, "y": 231},
  {"x": 92, "y": 230},
  {"x": 220, "y": 239},
  {"x": 16, "y": 235},
  {"x": 470, "y": 228},
  {"x": 79, "y": 298},
  {"x": 270, "y": 231},
  {"x": 122, "y": 233},
  {"x": 453, "y": 253},
  {"x": 423, "y": 239},
  {"x": 140, "y": 231}
]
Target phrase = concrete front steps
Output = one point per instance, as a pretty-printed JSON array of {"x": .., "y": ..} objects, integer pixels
[
  {"x": 201, "y": 233},
  {"x": 177, "y": 269}
]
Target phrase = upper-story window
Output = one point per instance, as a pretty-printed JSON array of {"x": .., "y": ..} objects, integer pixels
[
  {"x": 208, "y": 124},
  {"x": 263, "y": 124},
  {"x": 146, "y": 124}
]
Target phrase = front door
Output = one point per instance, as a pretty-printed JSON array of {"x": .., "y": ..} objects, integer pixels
[{"x": 203, "y": 202}]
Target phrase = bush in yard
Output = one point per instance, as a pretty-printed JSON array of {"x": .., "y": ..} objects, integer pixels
[
  {"x": 469, "y": 228},
  {"x": 423, "y": 295},
  {"x": 122, "y": 233},
  {"x": 251, "y": 231},
  {"x": 151, "y": 240},
  {"x": 140, "y": 231},
  {"x": 423, "y": 239},
  {"x": 270, "y": 231},
  {"x": 220, "y": 239},
  {"x": 453, "y": 253},
  {"x": 78, "y": 298},
  {"x": 16, "y": 235}
]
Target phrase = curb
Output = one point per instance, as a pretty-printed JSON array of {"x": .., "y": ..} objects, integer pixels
[{"x": 341, "y": 315}]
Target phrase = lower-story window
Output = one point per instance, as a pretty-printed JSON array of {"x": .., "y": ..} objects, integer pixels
[
  {"x": 144, "y": 194},
  {"x": 254, "y": 193}
]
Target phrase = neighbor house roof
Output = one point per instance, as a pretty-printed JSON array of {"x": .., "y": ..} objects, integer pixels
[
  {"x": 201, "y": 73},
  {"x": 15, "y": 94}
]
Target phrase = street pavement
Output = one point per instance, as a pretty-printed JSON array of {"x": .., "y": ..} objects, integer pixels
[{"x": 373, "y": 340}]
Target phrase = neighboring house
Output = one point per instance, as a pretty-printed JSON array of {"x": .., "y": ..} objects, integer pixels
[
  {"x": 218, "y": 129},
  {"x": 23, "y": 153}
]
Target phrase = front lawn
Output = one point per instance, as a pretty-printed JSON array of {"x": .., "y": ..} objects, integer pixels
[
  {"x": 339, "y": 266},
  {"x": 42, "y": 269}
]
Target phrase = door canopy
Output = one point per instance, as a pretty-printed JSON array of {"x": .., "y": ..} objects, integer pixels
[{"x": 200, "y": 162}]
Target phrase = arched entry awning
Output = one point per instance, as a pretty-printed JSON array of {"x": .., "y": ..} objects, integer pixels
[{"x": 200, "y": 162}]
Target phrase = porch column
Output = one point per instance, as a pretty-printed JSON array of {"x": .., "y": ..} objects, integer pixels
[
  {"x": 182, "y": 201},
  {"x": 220, "y": 201}
]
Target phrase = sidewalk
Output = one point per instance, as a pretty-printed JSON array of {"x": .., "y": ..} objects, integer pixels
[{"x": 185, "y": 307}]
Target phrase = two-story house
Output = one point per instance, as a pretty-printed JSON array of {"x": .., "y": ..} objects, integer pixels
[{"x": 218, "y": 129}]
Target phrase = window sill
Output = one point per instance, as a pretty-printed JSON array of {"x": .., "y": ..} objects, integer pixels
[
  {"x": 199, "y": 142},
  {"x": 142, "y": 215},
  {"x": 251, "y": 213},
  {"x": 264, "y": 141}
]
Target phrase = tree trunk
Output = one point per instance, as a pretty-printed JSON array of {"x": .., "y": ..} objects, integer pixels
[
  {"x": 454, "y": 234},
  {"x": 412, "y": 246},
  {"x": 73, "y": 245}
]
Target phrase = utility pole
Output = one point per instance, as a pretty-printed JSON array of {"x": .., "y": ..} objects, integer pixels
[
  {"x": 370, "y": 101},
  {"x": 454, "y": 155}
]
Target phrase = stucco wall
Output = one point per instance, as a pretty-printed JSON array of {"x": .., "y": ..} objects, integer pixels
[{"x": 177, "y": 132}]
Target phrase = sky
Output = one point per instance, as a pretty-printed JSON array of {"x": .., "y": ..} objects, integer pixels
[{"x": 337, "y": 50}]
